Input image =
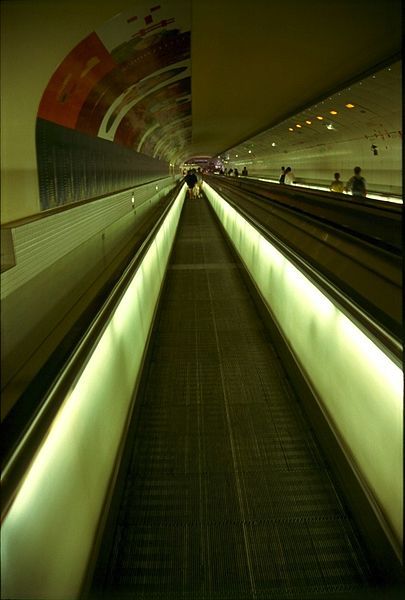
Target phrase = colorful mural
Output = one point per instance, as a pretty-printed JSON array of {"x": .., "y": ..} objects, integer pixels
[
  {"x": 72, "y": 82},
  {"x": 129, "y": 82}
]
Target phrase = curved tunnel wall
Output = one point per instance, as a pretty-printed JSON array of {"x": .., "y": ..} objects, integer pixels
[
  {"x": 358, "y": 125},
  {"x": 129, "y": 82},
  {"x": 119, "y": 105},
  {"x": 124, "y": 73},
  {"x": 34, "y": 40}
]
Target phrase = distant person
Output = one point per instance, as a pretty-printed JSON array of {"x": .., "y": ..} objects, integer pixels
[
  {"x": 199, "y": 184},
  {"x": 282, "y": 175},
  {"x": 244, "y": 172},
  {"x": 289, "y": 176},
  {"x": 191, "y": 181},
  {"x": 230, "y": 172},
  {"x": 337, "y": 185},
  {"x": 356, "y": 184},
  {"x": 236, "y": 173}
]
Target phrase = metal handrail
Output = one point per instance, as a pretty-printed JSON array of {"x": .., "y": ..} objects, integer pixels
[{"x": 23, "y": 452}]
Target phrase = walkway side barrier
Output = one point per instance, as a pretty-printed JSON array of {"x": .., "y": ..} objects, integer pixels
[
  {"x": 52, "y": 517},
  {"x": 358, "y": 386}
]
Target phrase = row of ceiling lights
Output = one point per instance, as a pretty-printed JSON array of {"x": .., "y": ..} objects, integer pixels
[
  {"x": 320, "y": 118},
  {"x": 308, "y": 122}
]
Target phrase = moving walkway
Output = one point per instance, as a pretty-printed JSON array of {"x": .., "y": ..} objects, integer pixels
[{"x": 181, "y": 461}]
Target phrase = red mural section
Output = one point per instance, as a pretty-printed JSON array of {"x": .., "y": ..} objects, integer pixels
[
  {"x": 70, "y": 85},
  {"x": 138, "y": 91},
  {"x": 163, "y": 50},
  {"x": 127, "y": 83},
  {"x": 174, "y": 130},
  {"x": 157, "y": 109}
]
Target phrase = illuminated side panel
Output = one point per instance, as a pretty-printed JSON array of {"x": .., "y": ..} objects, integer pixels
[
  {"x": 359, "y": 388},
  {"x": 375, "y": 196},
  {"x": 49, "y": 531}
]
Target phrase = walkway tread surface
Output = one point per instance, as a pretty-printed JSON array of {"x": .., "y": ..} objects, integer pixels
[{"x": 227, "y": 495}]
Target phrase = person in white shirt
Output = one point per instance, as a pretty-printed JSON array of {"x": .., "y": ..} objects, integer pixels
[
  {"x": 289, "y": 176},
  {"x": 198, "y": 187}
]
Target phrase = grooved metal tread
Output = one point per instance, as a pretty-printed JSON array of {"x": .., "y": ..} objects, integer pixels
[{"x": 227, "y": 495}]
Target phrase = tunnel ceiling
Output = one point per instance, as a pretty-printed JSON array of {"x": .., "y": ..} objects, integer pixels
[
  {"x": 180, "y": 78},
  {"x": 369, "y": 109}
]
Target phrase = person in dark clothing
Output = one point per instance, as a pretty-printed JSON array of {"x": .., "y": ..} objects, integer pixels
[
  {"x": 191, "y": 180},
  {"x": 282, "y": 175},
  {"x": 356, "y": 184},
  {"x": 244, "y": 172}
]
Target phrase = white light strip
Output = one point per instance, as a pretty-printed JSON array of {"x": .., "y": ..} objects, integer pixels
[
  {"x": 359, "y": 388},
  {"x": 49, "y": 531},
  {"x": 375, "y": 196}
]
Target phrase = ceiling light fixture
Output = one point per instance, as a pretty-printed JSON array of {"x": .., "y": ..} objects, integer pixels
[
  {"x": 333, "y": 112},
  {"x": 349, "y": 105},
  {"x": 319, "y": 118},
  {"x": 290, "y": 129},
  {"x": 308, "y": 122}
]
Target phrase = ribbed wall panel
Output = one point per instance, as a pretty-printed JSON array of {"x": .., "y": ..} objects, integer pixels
[
  {"x": 73, "y": 166},
  {"x": 41, "y": 243}
]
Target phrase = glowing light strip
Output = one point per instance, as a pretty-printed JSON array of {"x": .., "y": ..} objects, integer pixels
[{"x": 360, "y": 389}]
